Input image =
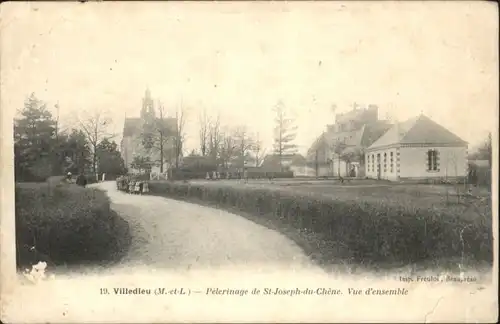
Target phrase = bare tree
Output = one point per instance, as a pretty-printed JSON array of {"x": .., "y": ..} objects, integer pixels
[
  {"x": 179, "y": 136},
  {"x": 203, "y": 132},
  {"x": 228, "y": 148},
  {"x": 338, "y": 149},
  {"x": 214, "y": 140},
  {"x": 258, "y": 150},
  {"x": 285, "y": 133},
  {"x": 244, "y": 144},
  {"x": 156, "y": 134},
  {"x": 95, "y": 127}
]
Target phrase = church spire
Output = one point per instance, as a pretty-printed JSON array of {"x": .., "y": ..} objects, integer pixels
[{"x": 147, "y": 110}]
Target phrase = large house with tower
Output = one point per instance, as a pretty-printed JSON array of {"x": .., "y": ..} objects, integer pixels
[
  {"x": 353, "y": 131},
  {"x": 417, "y": 149},
  {"x": 131, "y": 144}
]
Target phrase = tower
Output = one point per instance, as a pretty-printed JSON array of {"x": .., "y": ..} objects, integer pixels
[{"x": 147, "y": 111}]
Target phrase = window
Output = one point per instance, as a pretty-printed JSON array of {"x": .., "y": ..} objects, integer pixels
[
  {"x": 392, "y": 162},
  {"x": 385, "y": 162},
  {"x": 432, "y": 160}
]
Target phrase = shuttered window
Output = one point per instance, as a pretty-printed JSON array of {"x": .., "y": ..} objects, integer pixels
[{"x": 432, "y": 160}]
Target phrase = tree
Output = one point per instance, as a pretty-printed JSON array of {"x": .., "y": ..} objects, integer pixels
[
  {"x": 141, "y": 163},
  {"x": 156, "y": 134},
  {"x": 179, "y": 135},
  {"x": 95, "y": 127},
  {"x": 34, "y": 140},
  {"x": 109, "y": 158},
  {"x": 214, "y": 140},
  {"x": 244, "y": 145},
  {"x": 203, "y": 132},
  {"x": 338, "y": 149},
  {"x": 285, "y": 133},
  {"x": 258, "y": 150},
  {"x": 485, "y": 151},
  {"x": 74, "y": 151},
  {"x": 227, "y": 149}
]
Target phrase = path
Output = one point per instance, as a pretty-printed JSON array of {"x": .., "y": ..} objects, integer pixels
[{"x": 178, "y": 235}]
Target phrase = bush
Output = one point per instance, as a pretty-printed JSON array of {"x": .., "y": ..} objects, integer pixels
[
  {"x": 67, "y": 224},
  {"x": 372, "y": 233}
]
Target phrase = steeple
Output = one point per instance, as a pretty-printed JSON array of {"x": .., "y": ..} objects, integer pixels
[{"x": 147, "y": 110}]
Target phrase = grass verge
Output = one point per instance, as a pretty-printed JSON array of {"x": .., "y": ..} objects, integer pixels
[{"x": 63, "y": 225}]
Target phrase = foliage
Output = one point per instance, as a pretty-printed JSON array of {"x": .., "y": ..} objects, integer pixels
[
  {"x": 198, "y": 163},
  {"x": 365, "y": 232},
  {"x": 33, "y": 141},
  {"x": 95, "y": 127},
  {"x": 41, "y": 149},
  {"x": 109, "y": 158},
  {"x": 75, "y": 150},
  {"x": 141, "y": 163},
  {"x": 67, "y": 224}
]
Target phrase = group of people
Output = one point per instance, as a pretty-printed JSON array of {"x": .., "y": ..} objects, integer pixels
[
  {"x": 132, "y": 186},
  {"x": 80, "y": 179}
]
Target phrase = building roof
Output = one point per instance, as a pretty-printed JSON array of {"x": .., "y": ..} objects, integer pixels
[
  {"x": 417, "y": 130},
  {"x": 272, "y": 161},
  {"x": 373, "y": 131},
  {"x": 356, "y": 139}
]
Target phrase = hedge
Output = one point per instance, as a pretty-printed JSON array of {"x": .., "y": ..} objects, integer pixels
[
  {"x": 182, "y": 174},
  {"x": 67, "y": 224},
  {"x": 371, "y": 233}
]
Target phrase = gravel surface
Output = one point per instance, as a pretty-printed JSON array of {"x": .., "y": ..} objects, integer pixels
[{"x": 173, "y": 234}]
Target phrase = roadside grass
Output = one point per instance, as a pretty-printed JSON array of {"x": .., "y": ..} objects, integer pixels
[
  {"x": 66, "y": 225},
  {"x": 365, "y": 227}
]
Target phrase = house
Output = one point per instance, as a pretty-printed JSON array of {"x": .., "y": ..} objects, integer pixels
[
  {"x": 340, "y": 148},
  {"x": 418, "y": 148},
  {"x": 131, "y": 143},
  {"x": 271, "y": 162}
]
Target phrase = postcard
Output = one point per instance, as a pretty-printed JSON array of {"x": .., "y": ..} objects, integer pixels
[{"x": 241, "y": 161}]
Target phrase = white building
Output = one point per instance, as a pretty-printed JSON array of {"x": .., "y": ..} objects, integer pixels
[{"x": 417, "y": 149}]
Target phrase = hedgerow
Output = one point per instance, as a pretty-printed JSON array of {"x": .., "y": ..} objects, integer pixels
[
  {"x": 369, "y": 232},
  {"x": 67, "y": 224}
]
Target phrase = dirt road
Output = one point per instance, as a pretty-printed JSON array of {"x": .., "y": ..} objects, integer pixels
[{"x": 178, "y": 235}]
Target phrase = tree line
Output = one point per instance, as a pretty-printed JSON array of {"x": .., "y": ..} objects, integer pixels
[
  {"x": 238, "y": 146},
  {"x": 42, "y": 149}
]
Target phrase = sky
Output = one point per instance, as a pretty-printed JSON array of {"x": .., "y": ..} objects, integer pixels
[{"x": 239, "y": 59}]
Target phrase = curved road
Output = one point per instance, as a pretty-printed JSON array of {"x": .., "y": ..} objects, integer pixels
[{"x": 173, "y": 234}]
